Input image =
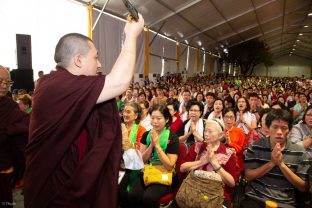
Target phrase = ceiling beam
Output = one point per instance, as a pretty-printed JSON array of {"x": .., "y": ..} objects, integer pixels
[
  {"x": 229, "y": 19},
  {"x": 256, "y": 36},
  {"x": 246, "y": 28},
  {"x": 249, "y": 27},
  {"x": 257, "y": 18},
  {"x": 226, "y": 20},
  {"x": 283, "y": 23},
  {"x": 163, "y": 23},
  {"x": 174, "y": 12},
  {"x": 98, "y": 18},
  {"x": 302, "y": 56}
]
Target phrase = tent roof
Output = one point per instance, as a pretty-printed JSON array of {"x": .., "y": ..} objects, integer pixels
[{"x": 217, "y": 24}]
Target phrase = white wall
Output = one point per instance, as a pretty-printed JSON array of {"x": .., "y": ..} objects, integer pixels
[
  {"x": 46, "y": 21},
  {"x": 286, "y": 66}
]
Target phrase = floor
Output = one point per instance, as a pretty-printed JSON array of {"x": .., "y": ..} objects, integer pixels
[{"x": 18, "y": 198}]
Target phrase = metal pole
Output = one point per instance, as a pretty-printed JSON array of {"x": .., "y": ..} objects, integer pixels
[{"x": 98, "y": 18}]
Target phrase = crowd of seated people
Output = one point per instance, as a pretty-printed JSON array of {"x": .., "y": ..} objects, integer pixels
[
  {"x": 266, "y": 121},
  {"x": 272, "y": 112}
]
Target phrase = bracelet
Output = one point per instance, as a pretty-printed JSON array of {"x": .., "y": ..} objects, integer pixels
[{"x": 217, "y": 169}]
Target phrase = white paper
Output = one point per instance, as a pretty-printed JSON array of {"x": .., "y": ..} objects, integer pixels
[{"x": 133, "y": 159}]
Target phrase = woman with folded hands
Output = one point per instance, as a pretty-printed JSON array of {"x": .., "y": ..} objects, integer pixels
[
  {"x": 158, "y": 146},
  {"x": 214, "y": 156}
]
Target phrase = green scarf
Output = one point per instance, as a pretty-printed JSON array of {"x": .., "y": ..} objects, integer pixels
[
  {"x": 133, "y": 133},
  {"x": 119, "y": 103},
  {"x": 163, "y": 142}
]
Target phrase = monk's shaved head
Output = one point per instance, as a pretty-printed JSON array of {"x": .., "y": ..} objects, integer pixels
[
  {"x": 70, "y": 45},
  {"x": 4, "y": 81}
]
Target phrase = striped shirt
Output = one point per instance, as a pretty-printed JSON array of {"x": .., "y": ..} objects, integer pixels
[{"x": 274, "y": 186}]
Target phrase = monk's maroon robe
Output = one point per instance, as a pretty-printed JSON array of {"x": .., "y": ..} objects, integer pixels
[
  {"x": 13, "y": 138},
  {"x": 65, "y": 109}
]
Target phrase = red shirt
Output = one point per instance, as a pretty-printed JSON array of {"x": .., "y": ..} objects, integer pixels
[
  {"x": 230, "y": 166},
  {"x": 175, "y": 126}
]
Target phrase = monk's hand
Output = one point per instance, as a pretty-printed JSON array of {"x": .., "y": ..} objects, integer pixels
[{"x": 134, "y": 28}]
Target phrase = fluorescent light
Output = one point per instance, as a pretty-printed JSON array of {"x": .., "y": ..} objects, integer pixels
[
  {"x": 310, "y": 14},
  {"x": 300, "y": 34},
  {"x": 297, "y": 40},
  {"x": 306, "y": 26}
]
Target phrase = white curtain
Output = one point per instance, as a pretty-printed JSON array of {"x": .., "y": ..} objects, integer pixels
[
  {"x": 162, "y": 48},
  {"x": 191, "y": 63},
  {"x": 183, "y": 57}
]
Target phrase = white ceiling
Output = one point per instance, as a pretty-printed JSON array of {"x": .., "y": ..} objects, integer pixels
[{"x": 214, "y": 24}]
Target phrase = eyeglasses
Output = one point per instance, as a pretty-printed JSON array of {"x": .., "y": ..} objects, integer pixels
[
  {"x": 7, "y": 82},
  {"x": 194, "y": 110},
  {"x": 229, "y": 117}
]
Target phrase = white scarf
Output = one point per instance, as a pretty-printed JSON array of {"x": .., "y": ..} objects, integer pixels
[{"x": 199, "y": 128}]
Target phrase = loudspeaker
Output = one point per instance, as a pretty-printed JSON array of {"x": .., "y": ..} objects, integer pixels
[
  {"x": 23, "y": 79},
  {"x": 23, "y": 51}
]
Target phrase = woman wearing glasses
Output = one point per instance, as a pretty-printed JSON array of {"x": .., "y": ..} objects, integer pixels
[
  {"x": 234, "y": 137},
  {"x": 192, "y": 129}
]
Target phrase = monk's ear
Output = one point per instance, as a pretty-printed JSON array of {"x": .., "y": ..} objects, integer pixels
[{"x": 77, "y": 60}]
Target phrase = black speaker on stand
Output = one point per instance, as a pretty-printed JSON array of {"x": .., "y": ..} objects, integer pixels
[
  {"x": 23, "y": 51},
  {"x": 23, "y": 77}
]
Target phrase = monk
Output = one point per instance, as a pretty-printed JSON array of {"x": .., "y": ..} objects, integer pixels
[
  {"x": 74, "y": 149},
  {"x": 13, "y": 138}
]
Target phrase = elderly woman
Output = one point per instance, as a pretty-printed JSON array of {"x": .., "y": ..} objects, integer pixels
[
  {"x": 301, "y": 133},
  {"x": 132, "y": 116},
  {"x": 215, "y": 157},
  {"x": 192, "y": 129},
  {"x": 160, "y": 145}
]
